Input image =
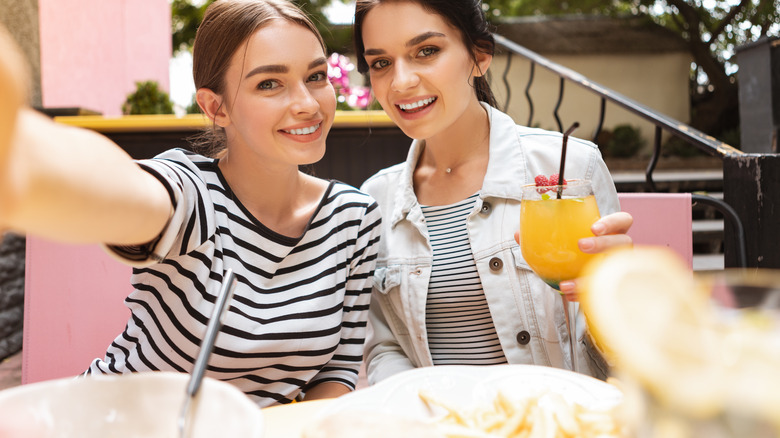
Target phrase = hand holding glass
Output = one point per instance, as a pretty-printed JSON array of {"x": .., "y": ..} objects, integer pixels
[{"x": 552, "y": 220}]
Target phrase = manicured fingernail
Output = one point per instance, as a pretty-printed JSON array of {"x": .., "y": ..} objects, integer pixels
[
  {"x": 598, "y": 228},
  {"x": 566, "y": 286},
  {"x": 587, "y": 244}
]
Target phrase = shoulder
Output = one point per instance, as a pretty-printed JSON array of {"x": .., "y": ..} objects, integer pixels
[
  {"x": 386, "y": 180},
  {"x": 543, "y": 138},
  {"x": 342, "y": 196},
  {"x": 180, "y": 160}
]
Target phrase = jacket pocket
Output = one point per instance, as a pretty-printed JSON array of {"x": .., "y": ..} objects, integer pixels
[
  {"x": 520, "y": 262},
  {"x": 386, "y": 278}
]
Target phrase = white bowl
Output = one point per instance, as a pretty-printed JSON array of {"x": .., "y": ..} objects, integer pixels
[{"x": 132, "y": 405}]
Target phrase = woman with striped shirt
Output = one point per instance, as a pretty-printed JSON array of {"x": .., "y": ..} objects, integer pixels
[
  {"x": 451, "y": 285},
  {"x": 303, "y": 249}
]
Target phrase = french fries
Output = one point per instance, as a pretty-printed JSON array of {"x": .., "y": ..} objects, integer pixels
[{"x": 547, "y": 415}]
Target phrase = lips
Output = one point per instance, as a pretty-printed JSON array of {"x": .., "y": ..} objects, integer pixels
[
  {"x": 416, "y": 106},
  {"x": 303, "y": 131}
]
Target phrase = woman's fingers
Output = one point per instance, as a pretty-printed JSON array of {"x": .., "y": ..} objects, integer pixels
[
  {"x": 569, "y": 290},
  {"x": 615, "y": 223},
  {"x": 610, "y": 231},
  {"x": 593, "y": 245}
]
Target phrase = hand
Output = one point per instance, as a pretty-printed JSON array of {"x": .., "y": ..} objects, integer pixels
[
  {"x": 326, "y": 390},
  {"x": 13, "y": 89},
  {"x": 609, "y": 231},
  {"x": 13, "y": 86}
]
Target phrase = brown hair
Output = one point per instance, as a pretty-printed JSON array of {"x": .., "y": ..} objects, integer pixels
[
  {"x": 465, "y": 15},
  {"x": 226, "y": 26}
]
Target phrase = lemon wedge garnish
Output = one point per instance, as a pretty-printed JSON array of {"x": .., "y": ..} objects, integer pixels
[{"x": 653, "y": 320}]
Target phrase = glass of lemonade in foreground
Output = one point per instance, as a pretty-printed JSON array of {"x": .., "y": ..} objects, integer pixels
[{"x": 550, "y": 226}]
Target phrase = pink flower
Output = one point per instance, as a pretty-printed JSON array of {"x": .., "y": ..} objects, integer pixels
[
  {"x": 339, "y": 67},
  {"x": 359, "y": 97}
]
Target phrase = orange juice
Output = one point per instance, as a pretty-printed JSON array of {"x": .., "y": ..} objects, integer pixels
[{"x": 549, "y": 231}]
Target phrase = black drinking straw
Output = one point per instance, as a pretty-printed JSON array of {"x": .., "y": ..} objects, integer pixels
[{"x": 563, "y": 156}]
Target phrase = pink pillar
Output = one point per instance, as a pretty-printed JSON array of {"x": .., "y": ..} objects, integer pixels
[{"x": 93, "y": 51}]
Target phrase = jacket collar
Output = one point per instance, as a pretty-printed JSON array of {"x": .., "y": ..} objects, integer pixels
[{"x": 505, "y": 175}]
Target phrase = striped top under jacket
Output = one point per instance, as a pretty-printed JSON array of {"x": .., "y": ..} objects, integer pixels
[
  {"x": 298, "y": 315},
  {"x": 457, "y": 318}
]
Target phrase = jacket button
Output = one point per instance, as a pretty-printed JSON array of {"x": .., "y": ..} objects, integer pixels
[
  {"x": 496, "y": 264},
  {"x": 486, "y": 207},
  {"x": 523, "y": 337}
]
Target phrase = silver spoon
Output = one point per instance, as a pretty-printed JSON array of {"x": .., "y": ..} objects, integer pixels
[{"x": 206, "y": 347}]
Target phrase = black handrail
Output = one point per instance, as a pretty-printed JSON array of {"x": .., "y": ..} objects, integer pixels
[
  {"x": 732, "y": 218},
  {"x": 704, "y": 142}
]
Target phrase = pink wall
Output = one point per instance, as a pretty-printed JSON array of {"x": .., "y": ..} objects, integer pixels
[{"x": 93, "y": 51}]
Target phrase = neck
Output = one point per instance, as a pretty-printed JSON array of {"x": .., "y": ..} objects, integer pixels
[
  {"x": 464, "y": 150},
  {"x": 466, "y": 140},
  {"x": 280, "y": 197}
]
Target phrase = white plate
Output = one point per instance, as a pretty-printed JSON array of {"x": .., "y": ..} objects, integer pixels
[
  {"x": 465, "y": 386},
  {"x": 137, "y": 405}
]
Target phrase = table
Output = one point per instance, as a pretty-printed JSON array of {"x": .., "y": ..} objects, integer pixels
[{"x": 289, "y": 421}]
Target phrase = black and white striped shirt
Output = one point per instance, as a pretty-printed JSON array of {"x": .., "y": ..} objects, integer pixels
[
  {"x": 298, "y": 315},
  {"x": 457, "y": 318}
]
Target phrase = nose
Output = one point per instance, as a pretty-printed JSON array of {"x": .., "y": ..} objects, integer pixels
[
  {"x": 404, "y": 76},
  {"x": 302, "y": 100}
]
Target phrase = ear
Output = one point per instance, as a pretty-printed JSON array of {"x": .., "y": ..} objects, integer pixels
[
  {"x": 483, "y": 63},
  {"x": 213, "y": 106}
]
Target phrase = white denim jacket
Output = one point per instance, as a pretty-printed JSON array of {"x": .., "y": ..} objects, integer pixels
[{"x": 527, "y": 313}]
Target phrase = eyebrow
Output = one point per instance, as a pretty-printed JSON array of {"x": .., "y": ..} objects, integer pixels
[
  {"x": 411, "y": 43},
  {"x": 279, "y": 68}
]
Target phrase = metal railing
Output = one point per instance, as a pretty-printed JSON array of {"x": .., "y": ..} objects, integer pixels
[
  {"x": 701, "y": 141},
  {"x": 688, "y": 134}
]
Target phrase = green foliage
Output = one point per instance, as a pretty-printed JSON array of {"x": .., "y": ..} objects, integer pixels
[
  {"x": 193, "y": 107},
  {"x": 625, "y": 142},
  {"x": 680, "y": 148},
  {"x": 147, "y": 99},
  {"x": 185, "y": 18}
]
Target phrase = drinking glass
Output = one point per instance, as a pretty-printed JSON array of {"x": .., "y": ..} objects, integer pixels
[
  {"x": 552, "y": 220},
  {"x": 732, "y": 349}
]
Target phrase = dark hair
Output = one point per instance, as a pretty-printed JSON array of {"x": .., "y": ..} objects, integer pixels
[
  {"x": 226, "y": 26},
  {"x": 465, "y": 15}
]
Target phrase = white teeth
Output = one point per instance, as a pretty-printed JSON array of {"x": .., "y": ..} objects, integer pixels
[
  {"x": 419, "y": 103},
  {"x": 303, "y": 131}
]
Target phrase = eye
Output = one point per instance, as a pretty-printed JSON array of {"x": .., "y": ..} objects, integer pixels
[
  {"x": 427, "y": 51},
  {"x": 318, "y": 77},
  {"x": 379, "y": 64},
  {"x": 268, "y": 84}
]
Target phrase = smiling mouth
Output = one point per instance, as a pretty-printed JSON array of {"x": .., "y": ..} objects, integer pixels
[
  {"x": 416, "y": 106},
  {"x": 303, "y": 131}
]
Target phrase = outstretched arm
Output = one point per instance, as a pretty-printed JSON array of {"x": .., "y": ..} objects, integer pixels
[{"x": 66, "y": 183}]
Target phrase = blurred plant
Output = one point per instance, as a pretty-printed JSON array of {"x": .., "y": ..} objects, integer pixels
[
  {"x": 193, "y": 107},
  {"x": 147, "y": 99},
  {"x": 626, "y": 141},
  {"x": 348, "y": 97}
]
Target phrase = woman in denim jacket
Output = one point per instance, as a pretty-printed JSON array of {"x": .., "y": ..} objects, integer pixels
[{"x": 451, "y": 285}]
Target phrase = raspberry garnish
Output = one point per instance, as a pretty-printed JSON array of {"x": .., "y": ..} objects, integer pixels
[
  {"x": 544, "y": 183},
  {"x": 553, "y": 180}
]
